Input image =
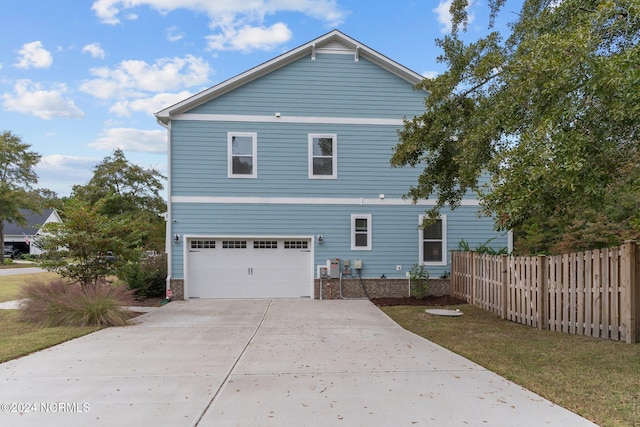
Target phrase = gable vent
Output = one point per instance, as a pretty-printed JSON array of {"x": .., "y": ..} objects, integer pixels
[{"x": 335, "y": 47}]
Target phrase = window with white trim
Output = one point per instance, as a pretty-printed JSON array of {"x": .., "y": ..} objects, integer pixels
[
  {"x": 242, "y": 152},
  {"x": 433, "y": 242},
  {"x": 323, "y": 156},
  {"x": 360, "y": 232}
]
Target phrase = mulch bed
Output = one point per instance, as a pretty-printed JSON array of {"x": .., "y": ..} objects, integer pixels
[
  {"x": 147, "y": 302},
  {"x": 430, "y": 301}
]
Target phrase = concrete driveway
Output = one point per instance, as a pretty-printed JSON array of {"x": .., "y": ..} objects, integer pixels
[{"x": 263, "y": 363}]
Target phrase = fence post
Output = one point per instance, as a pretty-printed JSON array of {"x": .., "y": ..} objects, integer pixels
[
  {"x": 504, "y": 266},
  {"x": 452, "y": 277},
  {"x": 543, "y": 292},
  {"x": 628, "y": 266},
  {"x": 473, "y": 278}
]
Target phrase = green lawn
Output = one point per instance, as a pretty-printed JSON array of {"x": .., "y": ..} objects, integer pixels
[
  {"x": 21, "y": 338},
  {"x": 597, "y": 379},
  {"x": 10, "y": 285},
  {"x": 16, "y": 265}
]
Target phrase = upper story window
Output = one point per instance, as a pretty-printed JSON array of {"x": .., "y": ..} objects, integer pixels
[
  {"x": 433, "y": 242},
  {"x": 360, "y": 232},
  {"x": 323, "y": 156},
  {"x": 242, "y": 151}
]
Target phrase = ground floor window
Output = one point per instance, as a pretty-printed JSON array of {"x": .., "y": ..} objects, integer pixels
[
  {"x": 360, "y": 232},
  {"x": 433, "y": 242}
]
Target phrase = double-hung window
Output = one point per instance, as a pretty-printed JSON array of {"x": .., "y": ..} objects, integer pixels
[
  {"x": 323, "y": 156},
  {"x": 242, "y": 152},
  {"x": 433, "y": 242},
  {"x": 360, "y": 232}
]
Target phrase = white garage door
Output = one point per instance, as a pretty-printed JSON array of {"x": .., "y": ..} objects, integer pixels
[{"x": 249, "y": 268}]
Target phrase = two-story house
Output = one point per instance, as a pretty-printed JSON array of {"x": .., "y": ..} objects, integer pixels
[{"x": 277, "y": 171}]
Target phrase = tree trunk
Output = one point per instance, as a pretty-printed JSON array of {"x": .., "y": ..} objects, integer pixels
[{"x": 2, "y": 241}]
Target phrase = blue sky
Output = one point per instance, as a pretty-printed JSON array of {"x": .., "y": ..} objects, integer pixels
[{"x": 80, "y": 78}]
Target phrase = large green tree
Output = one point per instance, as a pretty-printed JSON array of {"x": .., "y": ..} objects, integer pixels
[
  {"x": 543, "y": 122},
  {"x": 16, "y": 177},
  {"x": 121, "y": 189}
]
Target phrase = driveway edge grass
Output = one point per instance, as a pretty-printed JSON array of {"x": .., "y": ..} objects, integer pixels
[
  {"x": 22, "y": 338},
  {"x": 597, "y": 379}
]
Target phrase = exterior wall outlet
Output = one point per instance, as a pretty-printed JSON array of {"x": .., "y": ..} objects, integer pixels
[{"x": 398, "y": 267}]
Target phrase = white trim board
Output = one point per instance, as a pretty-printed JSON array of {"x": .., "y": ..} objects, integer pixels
[
  {"x": 288, "y": 119},
  {"x": 360, "y": 201}
]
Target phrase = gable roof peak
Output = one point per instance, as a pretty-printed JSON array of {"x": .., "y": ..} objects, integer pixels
[{"x": 334, "y": 41}]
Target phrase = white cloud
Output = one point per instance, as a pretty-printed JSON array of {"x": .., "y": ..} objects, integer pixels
[
  {"x": 444, "y": 16},
  {"x": 69, "y": 165},
  {"x": 174, "y": 34},
  {"x": 236, "y": 25},
  {"x": 34, "y": 55},
  {"x": 148, "y": 105},
  {"x": 430, "y": 74},
  {"x": 94, "y": 50},
  {"x": 33, "y": 98},
  {"x": 248, "y": 38},
  {"x": 129, "y": 139},
  {"x": 134, "y": 78},
  {"x": 59, "y": 172}
]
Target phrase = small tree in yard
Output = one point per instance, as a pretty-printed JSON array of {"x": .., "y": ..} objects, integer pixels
[
  {"x": 419, "y": 276},
  {"x": 88, "y": 246}
]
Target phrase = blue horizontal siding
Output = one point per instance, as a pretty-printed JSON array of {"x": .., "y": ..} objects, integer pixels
[
  {"x": 331, "y": 86},
  {"x": 199, "y": 161},
  {"x": 395, "y": 236}
]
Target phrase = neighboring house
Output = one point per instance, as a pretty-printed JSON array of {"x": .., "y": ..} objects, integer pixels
[
  {"x": 280, "y": 169},
  {"x": 24, "y": 238}
]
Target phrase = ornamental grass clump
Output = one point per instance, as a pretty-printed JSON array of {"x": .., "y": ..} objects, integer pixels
[{"x": 68, "y": 304}]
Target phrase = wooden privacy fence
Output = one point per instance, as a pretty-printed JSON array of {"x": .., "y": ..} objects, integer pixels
[{"x": 595, "y": 293}]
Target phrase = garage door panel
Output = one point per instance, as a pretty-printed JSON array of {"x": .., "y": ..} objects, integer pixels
[{"x": 249, "y": 268}]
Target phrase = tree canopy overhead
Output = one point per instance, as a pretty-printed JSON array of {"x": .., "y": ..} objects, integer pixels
[{"x": 550, "y": 113}]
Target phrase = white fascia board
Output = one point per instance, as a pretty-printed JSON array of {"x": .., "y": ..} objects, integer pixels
[
  {"x": 166, "y": 115},
  {"x": 361, "y": 201}
]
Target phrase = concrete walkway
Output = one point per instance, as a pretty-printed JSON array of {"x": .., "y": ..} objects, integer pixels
[
  {"x": 263, "y": 363},
  {"x": 12, "y": 305},
  {"x": 17, "y": 304},
  {"x": 24, "y": 270}
]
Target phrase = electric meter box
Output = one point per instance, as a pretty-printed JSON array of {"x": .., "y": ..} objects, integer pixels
[
  {"x": 357, "y": 264},
  {"x": 334, "y": 268}
]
